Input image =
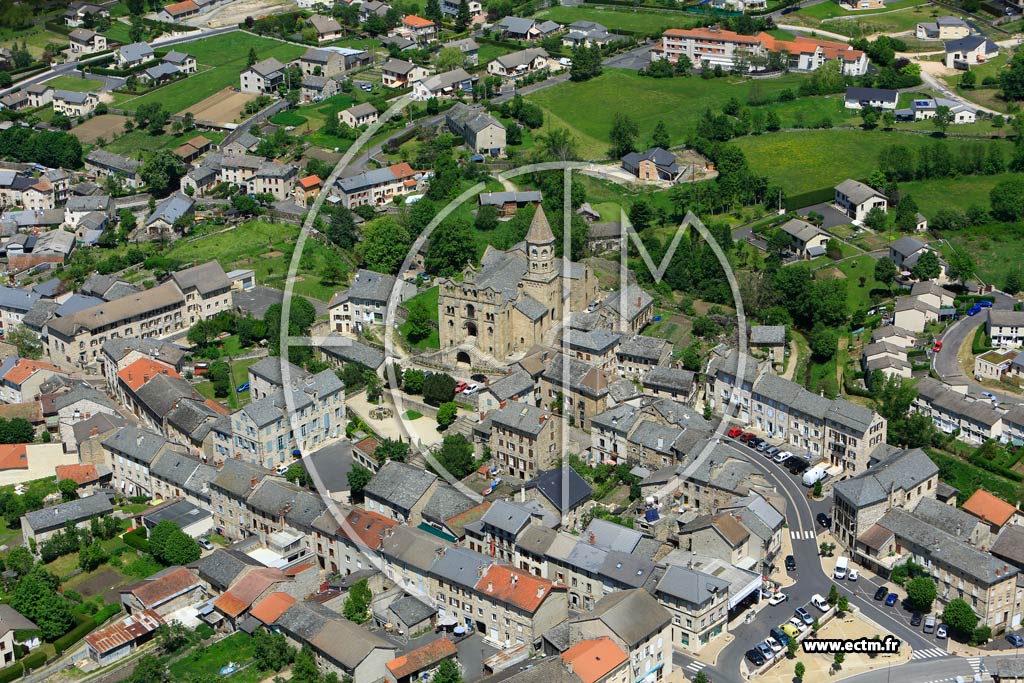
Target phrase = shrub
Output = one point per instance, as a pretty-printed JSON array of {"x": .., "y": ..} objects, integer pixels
[
  {"x": 70, "y": 638},
  {"x": 136, "y": 538}
]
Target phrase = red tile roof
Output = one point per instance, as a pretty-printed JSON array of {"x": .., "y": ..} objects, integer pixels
[
  {"x": 421, "y": 658},
  {"x": 180, "y": 8},
  {"x": 417, "y": 22},
  {"x": 13, "y": 456},
  {"x": 24, "y": 368},
  {"x": 143, "y": 370},
  {"x": 243, "y": 592},
  {"x": 310, "y": 181},
  {"x": 524, "y": 591},
  {"x": 988, "y": 508},
  {"x": 272, "y": 607},
  {"x": 594, "y": 659},
  {"x": 367, "y": 527},
  {"x": 80, "y": 474},
  {"x": 402, "y": 170},
  {"x": 798, "y": 45},
  {"x": 154, "y": 592},
  {"x": 125, "y": 631}
]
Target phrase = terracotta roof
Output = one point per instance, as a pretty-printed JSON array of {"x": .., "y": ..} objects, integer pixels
[
  {"x": 417, "y": 22},
  {"x": 988, "y": 508},
  {"x": 272, "y": 607},
  {"x": 421, "y": 658},
  {"x": 80, "y": 474},
  {"x": 154, "y": 592},
  {"x": 594, "y": 659},
  {"x": 310, "y": 181},
  {"x": 368, "y": 446},
  {"x": 241, "y": 595},
  {"x": 124, "y": 631},
  {"x": 297, "y": 569},
  {"x": 29, "y": 410},
  {"x": 182, "y": 8},
  {"x": 143, "y": 370},
  {"x": 525, "y": 591},
  {"x": 798, "y": 45},
  {"x": 24, "y": 368},
  {"x": 367, "y": 526},
  {"x": 13, "y": 456},
  {"x": 402, "y": 170},
  {"x": 217, "y": 407}
]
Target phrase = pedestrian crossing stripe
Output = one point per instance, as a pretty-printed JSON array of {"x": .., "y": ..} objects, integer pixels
[
  {"x": 696, "y": 666},
  {"x": 974, "y": 663},
  {"x": 800, "y": 535},
  {"x": 929, "y": 653}
]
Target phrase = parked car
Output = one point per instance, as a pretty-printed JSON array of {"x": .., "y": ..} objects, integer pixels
[
  {"x": 763, "y": 446},
  {"x": 746, "y": 436},
  {"x": 853, "y": 575},
  {"x": 989, "y": 395},
  {"x": 797, "y": 466},
  {"x": 820, "y": 602},
  {"x": 915, "y": 619},
  {"x": 780, "y": 635},
  {"x": 204, "y": 543},
  {"x": 1015, "y": 639},
  {"x": 984, "y": 303},
  {"x": 244, "y": 386},
  {"x": 803, "y": 615},
  {"x": 974, "y": 310},
  {"x": 782, "y": 456},
  {"x": 790, "y": 563},
  {"x": 937, "y": 347},
  {"x": 470, "y": 390},
  {"x": 824, "y": 520},
  {"x": 881, "y": 593},
  {"x": 766, "y": 651},
  {"x": 755, "y": 442},
  {"x": 479, "y": 378},
  {"x": 565, "y": 61},
  {"x": 778, "y": 599},
  {"x": 774, "y": 644},
  {"x": 772, "y": 451},
  {"x": 940, "y": 632},
  {"x": 755, "y": 657},
  {"x": 929, "y": 624},
  {"x": 799, "y": 624},
  {"x": 460, "y": 387},
  {"x": 734, "y": 432},
  {"x": 891, "y": 599}
]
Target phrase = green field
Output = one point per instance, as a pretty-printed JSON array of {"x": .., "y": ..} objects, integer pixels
[
  {"x": 997, "y": 249},
  {"x": 35, "y": 39},
  {"x": 679, "y": 102},
  {"x": 142, "y": 141},
  {"x": 889, "y": 22},
  {"x": 288, "y": 118},
  {"x": 644, "y": 21},
  {"x": 801, "y": 161},
  {"x": 429, "y": 299},
  {"x": 118, "y": 32},
  {"x": 952, "y": 193},
  {"x": 74, "y": 83},
  {"x": 207, "y": 661},
  {"x": 227, "y": 55}
]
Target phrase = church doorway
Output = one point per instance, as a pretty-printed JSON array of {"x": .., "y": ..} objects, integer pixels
[{"x": 462, "y": 357}]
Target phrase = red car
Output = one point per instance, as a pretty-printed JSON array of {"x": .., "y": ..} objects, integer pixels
[
  {"x": 734, "y": 432},
  {"x": 937, "y": 347},
  {"x": 460, "y": 387},
  {"x": 746, "y": 436}
]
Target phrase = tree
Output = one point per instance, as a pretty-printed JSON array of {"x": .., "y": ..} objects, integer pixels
[
  {"x": 169, "y": 545},
  {"x": 161, "y": 172},
  {"x": 942, "y": 119},
  {"x": 68, "y": 489},
  {"x": 252, "y": 58},
  {"x": 876, "y": 219},
  {"x": 1011, "y": 79},
  {"x": 36, "y": 598},
  {"x": 893, "y": 397},
  {"x": 799, "y": 670},
  {"x": 641, "y": 214},
  {"x": 869, "y": 118},
  {"x": 448, "y": 672},
  {"x": 446, "y": 415},
  {"x": 392, "y": 449},
  {"x": 463, "y": 18},
  {"x": 304, "y": 669},
  {"x": 816, "y": 492},
  {"x": 960, "y": 617},
  {"x": 384, "y": 246},
  {"x": 298, "y": 475},
  {"x": 357, "y": 604},
  {"x": 921, "y": 593},
  {"x": 438, "y": 388},
  {"x": 92, "y": 556},
  {"x": 332, "y": 272},
  {"x": 20, "y": 560},
  {"x": 779, "y": 241},
  {"x": 219, "y": 373},
  {"x": 791, "y": 648},
  {"x": 451, "y": 248},
  {"x": 136, "y": 7},
  {"x": 559, "y": 144},
  {"x": 456, "y": 455},
  {"x": 833, "y": 595},
  {"x": 824, "y": 343},
  {"x": 905, "y": 217},
  {"x": 358, "y": 477},
  {"x": 837, "y": 661},
  {"x": 173, "y": 636},
  {"x": 16, "y": 430},
  {"x": 342, "y": 228},
  {"x": 419, "y": 324},
  {"x": 960, "y": 265},
  {"x": 927, "y": 266},
  {"x": 843, "y": 604},
  {"x": 271, "y": 652},
  {"x": 449, "y": 58},
  {"x": 486, "y": 218},
  {"x": 1013, "y": 283},
  {"x": 432, "y": 11},
  {"x": 1007, "y": 197},
  {"x": 660, "y": 137},
  {"x": 623, "y": 136},
  {"x": 26, "y": 341},
  {"x": 150, "y": 669}
]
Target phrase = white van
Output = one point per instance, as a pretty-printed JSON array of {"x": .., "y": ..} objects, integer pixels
[
  {"x": 819, "y": 602},
  {"x": 814, "y": 475},
  {"x": 841, "y": 565}
]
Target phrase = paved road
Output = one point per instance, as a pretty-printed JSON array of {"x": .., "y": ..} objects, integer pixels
[
  {"x": 810, "y": 579},
  {"x": 962, "y": 332},
  {"x": 635, "y": 59}
]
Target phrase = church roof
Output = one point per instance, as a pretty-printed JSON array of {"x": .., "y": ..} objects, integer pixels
[{"x": 540, "y": 229}]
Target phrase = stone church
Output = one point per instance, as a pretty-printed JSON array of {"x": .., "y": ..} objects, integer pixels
[{"x": 513, "y": 300}]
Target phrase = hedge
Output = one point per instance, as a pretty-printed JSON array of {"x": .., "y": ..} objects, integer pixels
[
  {"x": 136, "y": 538},
  {"x": 107, "y": 612},
  {"x": 15, "y": 671},
  {"x": 138, "y": 68},
  {"x": 69, "y": 639},
  {"x": 819, "y": 196},
  {"x": 57, "y": 27}
]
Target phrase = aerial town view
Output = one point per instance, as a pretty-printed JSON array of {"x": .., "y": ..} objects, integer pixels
[{"x": 511, "y": 341}]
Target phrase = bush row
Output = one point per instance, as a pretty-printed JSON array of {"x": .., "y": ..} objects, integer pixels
[
  {"x": 85, "y": 625},
  {"x": 30, "y": 661}
]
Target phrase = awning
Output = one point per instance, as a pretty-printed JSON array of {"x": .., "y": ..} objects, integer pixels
[
  {"x": 447, "y": 620},
  {"x": 431, "y": 529}
]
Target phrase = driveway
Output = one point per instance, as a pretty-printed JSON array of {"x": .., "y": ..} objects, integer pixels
[
  {"x": 833, "y": 216},
  {"x": 635, "y": 59}
]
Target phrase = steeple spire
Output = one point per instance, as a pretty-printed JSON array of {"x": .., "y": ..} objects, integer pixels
[{"x": 540, "y": 229}]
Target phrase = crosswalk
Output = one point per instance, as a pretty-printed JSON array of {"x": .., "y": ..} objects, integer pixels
[
  {"x": 695, "y": 666},
  {"x": 974, "y": 663},
  {"x": 929, "y": 653},
  {"x": 802, "y": 535}
]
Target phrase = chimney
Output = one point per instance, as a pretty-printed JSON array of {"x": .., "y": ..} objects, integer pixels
[
  {"x": 522, "y": 494},
  {"x": 592, "y": 538},
  {"x": 542, "y": 418},
  {"x": 253, "y": 482},
  {"x": 638, "y": 300},
  {"x": 502, "y": 405},
  {"x": 490, "y": 586},
  {"x": 540, "y": 591},
  {"x": 568, "y": 665}
]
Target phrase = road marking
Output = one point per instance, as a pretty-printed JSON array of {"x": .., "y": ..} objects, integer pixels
[
  {"x": 695, "y": 666},
  {"x": 802, "y": 535},
  {"x": 929, "y": 653},
  {"x": 974, "y": 663},
  {"x": 809, "y": 534}
]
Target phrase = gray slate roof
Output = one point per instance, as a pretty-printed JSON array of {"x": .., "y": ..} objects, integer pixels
[
  {"x": 507, "y": 516},
  {"x": 632, "y": 615},
  {"x": 551, "y": 483},
  {"x": 690, "y": 585},
  {"x": 903, "y": 470},
  {"x": 72, "y": 511},
  {"x": 400, "y": 485}
]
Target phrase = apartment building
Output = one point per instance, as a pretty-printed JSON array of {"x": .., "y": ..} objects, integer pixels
[
  {"x": 698, "y": 603},
  {"x": 190, "y": 295},
  {"x": 482, "y": 133},
  {"x": 74, "y": 104},
  {"x": 399, "y": 491},
  {"x": 1005, "y": 328},
  {"x": 638, "y": 624},
  {"x": 102, "y": 164},
  {"x": 379, "y": 186},
  {"x": 582, "y": 397},
  {"x": 523, "y": 439},
  {"x": 953, "y": 412},
  {"x": 342, "y": 548},
  {"x": 274, "y": 179},
  {"x": 713, "y": 46},
  {"x": 234, "y": 481},
  {"x": 263, "y": 78},
  {"x": 365, "y": 301},
  {"x": 130, "y": 452},
  {"x": 842, "y": 432},
  {"x": 498, "y": 532}
]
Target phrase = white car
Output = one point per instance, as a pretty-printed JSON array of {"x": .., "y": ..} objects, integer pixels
[
  {"x": 799, "y": 623},
  {"x": 782, "y": 456},
  {"x": 565, "y": 61},
  {"x": 470, "y": 390},
  {"x": 282, "y": 469},
  {"x": 853, "y": 575},
  {"x": 778, "y": 599},
  {"x": 819, "y": 602},
  {"x": 775, "y": 645}
]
